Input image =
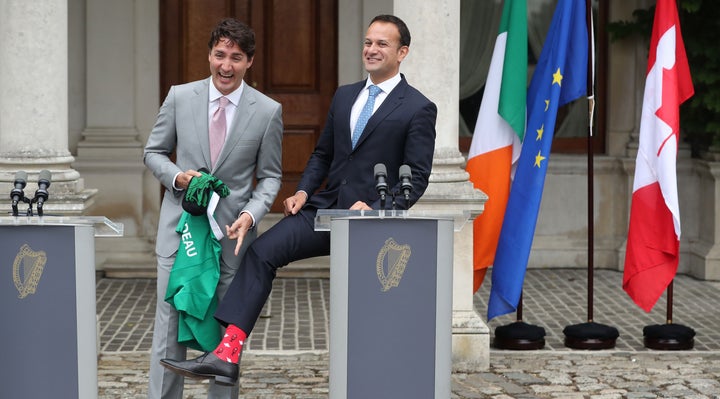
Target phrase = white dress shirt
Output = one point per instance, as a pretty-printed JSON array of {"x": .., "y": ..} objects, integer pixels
[{"x": 386, "y": 87}]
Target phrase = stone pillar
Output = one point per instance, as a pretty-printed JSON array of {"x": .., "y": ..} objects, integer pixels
[
  {"x": 122, "y": 100},
  {"x": 705, "y": 252},
  {"x": 34, "y": 102},
  {"x": 433, "y": 66}
]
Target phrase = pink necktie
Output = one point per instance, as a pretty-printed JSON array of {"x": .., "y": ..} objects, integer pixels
[{"x": 217, "y": 131}]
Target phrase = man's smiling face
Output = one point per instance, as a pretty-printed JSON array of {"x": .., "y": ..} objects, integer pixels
[{"x": 228, "y": 64}]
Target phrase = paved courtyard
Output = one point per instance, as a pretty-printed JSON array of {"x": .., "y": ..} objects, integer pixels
[{"x": 287, "y": 353}]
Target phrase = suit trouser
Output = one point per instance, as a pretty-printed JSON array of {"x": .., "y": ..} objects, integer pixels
[
  {"x": 164, "y": 383},
  {"x": 292, "y": 238}
]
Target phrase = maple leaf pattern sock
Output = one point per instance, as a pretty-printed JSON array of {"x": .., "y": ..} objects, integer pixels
[{"x": 231, "y": 345}]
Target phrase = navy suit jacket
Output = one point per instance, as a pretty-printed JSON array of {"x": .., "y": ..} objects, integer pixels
[{"x": 401, "y": 131}]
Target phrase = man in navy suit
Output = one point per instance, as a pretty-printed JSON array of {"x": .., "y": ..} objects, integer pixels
[{"x": 400, "y": 131}]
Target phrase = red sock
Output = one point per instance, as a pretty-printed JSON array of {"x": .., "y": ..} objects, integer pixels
[{"x": 231, "y": 344}]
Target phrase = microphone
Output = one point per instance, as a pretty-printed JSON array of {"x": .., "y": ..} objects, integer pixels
[
  {"x": 41, "y": 194},
  {"x": 381, "y": 182},
  {"x": 17, "y": 193},
  {"x": 405, "y": 181}
]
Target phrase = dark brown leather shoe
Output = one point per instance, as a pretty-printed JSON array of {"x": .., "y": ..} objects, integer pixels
[{"x": 205, "y": 367}]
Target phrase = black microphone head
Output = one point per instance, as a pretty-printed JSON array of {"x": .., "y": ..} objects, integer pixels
[
  {"x": 45, "y": 177},
  {"x": 405, "y": 172},
  {"x": 21, "y": 178},
  {"x": 380, "y": 169},
  {"x": 17, "y": 194}
]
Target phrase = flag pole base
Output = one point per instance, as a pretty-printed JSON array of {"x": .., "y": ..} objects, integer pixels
[
  {"x": 519, "y": 336},
  {"x": 591, "y": 336},
  {"x": 668, "y": 337}
]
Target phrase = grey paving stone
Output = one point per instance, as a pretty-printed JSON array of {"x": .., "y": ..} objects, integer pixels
[{"x": 287, "y": 352}]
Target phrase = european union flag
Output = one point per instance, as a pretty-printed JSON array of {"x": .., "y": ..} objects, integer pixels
[{"x": 559, "y": 78}]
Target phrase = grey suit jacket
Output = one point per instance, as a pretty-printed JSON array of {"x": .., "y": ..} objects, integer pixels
[{"x": 252, "y": 151}]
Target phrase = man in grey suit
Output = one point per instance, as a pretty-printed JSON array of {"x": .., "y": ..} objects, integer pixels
[{"x": 251, "y": 150}]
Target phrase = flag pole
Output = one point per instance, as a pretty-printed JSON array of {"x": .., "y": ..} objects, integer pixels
[
  {"x": 519, "y": 335},
  {"x": 590, "y": 335},
  {"x": 669, "y": 302},
  {"x": 516, "y": 335},
  {"x": 669, "y": 336}
]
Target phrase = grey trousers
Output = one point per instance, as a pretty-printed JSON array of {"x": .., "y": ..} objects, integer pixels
[{"x": 164, "y": 384}]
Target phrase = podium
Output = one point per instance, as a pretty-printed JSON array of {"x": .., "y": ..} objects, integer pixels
[
  {"x": 390, "y": 303},
  {"x": 47, "y": 305}
]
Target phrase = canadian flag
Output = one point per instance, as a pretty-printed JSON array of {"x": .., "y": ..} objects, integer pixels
[{"x": 653, "y": 240}]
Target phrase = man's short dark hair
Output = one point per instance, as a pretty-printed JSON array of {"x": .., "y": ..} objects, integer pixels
[
  {"x": 237, "y": 32},
  {"x": 402, "y": 28}
]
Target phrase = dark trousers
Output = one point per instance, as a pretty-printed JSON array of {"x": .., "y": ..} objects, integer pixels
[{"x": 292, "y": 238}]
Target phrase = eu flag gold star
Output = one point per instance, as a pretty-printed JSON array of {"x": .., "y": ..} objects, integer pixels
[
  {"x": 547, "y": 105},
  {"x": 557, "y": 77},
  {"x": 540, "y": 132},
  {"x": 538, "y": 158}
]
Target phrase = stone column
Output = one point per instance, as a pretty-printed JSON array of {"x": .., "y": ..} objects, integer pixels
[
  {"x": 433, "y": 66},
  {"x": 122, "y": 101},
  {"x": 34, "y": 102},
  {"x": 705, "y": 252}
]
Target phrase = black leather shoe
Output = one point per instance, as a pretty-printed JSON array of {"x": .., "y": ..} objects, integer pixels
[{"x": 205, "y": 367}]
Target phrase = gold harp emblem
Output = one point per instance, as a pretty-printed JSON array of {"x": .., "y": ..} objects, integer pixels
[
  {"x": 397, "y": 258},
  {"x": 27, "y": 270}
]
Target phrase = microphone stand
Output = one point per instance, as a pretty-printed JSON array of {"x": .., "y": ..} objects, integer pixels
[
  {"x": 38, "y": 207},
  {"x": 26, "y": 200},
  {"x": 30, "y": 210}
]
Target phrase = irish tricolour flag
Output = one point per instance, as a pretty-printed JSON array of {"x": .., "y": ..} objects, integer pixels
[{"x": 499, "y": 132}]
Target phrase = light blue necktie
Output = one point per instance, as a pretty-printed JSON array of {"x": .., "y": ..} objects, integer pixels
[{"x": 365, "y": 114}]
